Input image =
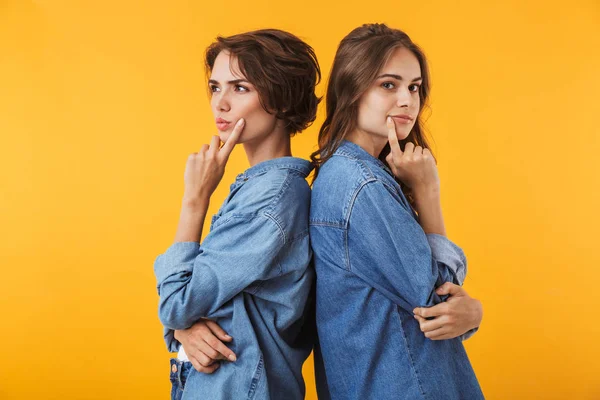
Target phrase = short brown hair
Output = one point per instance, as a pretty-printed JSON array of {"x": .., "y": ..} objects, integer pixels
[{"x": 283, "y": 68}]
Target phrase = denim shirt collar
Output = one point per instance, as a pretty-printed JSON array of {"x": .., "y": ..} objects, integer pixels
[
  {"x": 353, "y": 150},
  {"x": 295, "y": 163}
]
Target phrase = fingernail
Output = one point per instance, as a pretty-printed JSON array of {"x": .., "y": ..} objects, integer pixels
[
  {"x": 232, "y": 357},
  {"x": 241, "y": 122},
  {"x": 389, "y": 120},
  {"x": 228, "y": 337}
]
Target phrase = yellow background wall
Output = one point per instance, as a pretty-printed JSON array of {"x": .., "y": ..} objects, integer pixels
[{"x": 101, "y": 102}]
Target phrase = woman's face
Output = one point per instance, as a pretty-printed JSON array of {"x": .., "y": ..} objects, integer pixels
[
  {"x": 233, "y": 97},
  {"x": 394, "y": 93}
]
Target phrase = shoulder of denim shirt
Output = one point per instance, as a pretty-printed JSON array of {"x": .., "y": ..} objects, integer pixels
[
  {"x": 339, "y": 181},
  {"x": 276, "y": 189}
]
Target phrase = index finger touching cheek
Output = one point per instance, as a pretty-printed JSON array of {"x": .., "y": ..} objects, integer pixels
[
  {"x": 233, "y": 138},
  {"x": 393, "y": 138}
]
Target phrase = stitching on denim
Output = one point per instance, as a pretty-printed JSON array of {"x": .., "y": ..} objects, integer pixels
[
  {"x": 271, "y": 206},
  {"x": 397, "y": 192},
  {"x": 186, "y": 371},
  {"x": 284, "y": 185},
  {"x": 256, "y": 287},
  {"x": 362, "y": 163},
  {"x": 353, "y": 199},
  {"x": 279, "y": 227},
  {"x": 179, "y": 365},
  {"x": 251, "y": 216},
  {"x": 301, "y": 172},
  {"x": 347, "y": 260},
  {"x": 366, "y": 178},
  {"x": 393, "y": 191},
  {"x": 366, "y": 170},
  {"x": 302, "y": 168},
  {"x": 332, "y": 224},
  {"x": 353, "y": 153},
  {"x": 339, "y": 228},
  {"x": 256, "y": 378},
  {"x": 301, "y": 236},
  {"x": 412, "y": 363}
]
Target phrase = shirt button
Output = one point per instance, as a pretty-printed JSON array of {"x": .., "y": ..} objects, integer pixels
[{"x": 174, "y": 368}]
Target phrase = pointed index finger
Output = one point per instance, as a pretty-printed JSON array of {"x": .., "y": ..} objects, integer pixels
[
  {"x": 393, "y": 139},
  {"x": 232, "y": 139}
]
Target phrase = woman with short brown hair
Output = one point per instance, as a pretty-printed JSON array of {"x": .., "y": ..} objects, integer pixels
[{"x": 251, "y": 276}]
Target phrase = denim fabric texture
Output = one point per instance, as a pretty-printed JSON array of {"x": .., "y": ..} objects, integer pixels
[
  {"x": 252, "y": 275},
  {"x": 179, "y": 373},
  {"x": 374, "y": 265}
]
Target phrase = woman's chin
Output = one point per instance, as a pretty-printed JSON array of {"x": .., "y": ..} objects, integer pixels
[
  {"x": 224, "y": 135},
  {"x": 403, "y": 136},
  {"x": 402, "y": 133}
]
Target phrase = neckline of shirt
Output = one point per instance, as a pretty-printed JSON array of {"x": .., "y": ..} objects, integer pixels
[
  {"x": 299, "y": 164},
  {"x": 355, "y": 151}
]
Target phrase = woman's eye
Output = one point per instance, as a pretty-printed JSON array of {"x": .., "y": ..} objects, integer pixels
[
  {"x": 414, "y": 88},
  {"x": 388, "y": 85},
  {"x": 240, "y": 88},
  {"x": 214, "y": 88}
]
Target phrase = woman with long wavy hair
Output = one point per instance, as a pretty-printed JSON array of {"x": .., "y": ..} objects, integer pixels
[{"x": 384, "y": 264}]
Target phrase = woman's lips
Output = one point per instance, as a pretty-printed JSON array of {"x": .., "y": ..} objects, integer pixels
[
  {"x": 402, "y": 119},
  {"x": 222, "y": 124}
]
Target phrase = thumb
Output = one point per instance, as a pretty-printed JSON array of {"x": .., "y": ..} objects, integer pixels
[
  {"x": 390, "y": 159},
  {"x": 449, "y": 288}
]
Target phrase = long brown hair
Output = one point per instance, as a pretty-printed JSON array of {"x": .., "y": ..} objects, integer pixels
[
  {"x": 282, "y": 67},
  {"x": 358, "y": 60}
]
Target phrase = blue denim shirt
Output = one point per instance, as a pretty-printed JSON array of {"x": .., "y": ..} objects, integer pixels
[
  {"x": 252, "y": 274},
  {"x": 374, "y": 265}
]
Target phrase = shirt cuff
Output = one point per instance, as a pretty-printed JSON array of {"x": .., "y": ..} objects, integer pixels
[
  {"x": 448, "y": 253},
  {"x": 468, "y": 334},
  {"x": 178, "y": 258},
  {"x": 172, "y": 343}
]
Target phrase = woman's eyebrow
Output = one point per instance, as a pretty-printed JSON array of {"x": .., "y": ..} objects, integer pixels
[
  {"x": 398, "y": 77},
  {"x": 233, "y": 82}
]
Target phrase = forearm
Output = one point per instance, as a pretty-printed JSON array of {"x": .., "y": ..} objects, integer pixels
[
  {"x": 429, "y": 208},
  {"x": 191, "y": 219},
  {"x": 176, "y": 285},
  {"x": 178, "y": 334}
]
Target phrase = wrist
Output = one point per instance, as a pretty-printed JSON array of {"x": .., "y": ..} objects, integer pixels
[
  {"x": 480, "y": 313},
  {"x": 197, "y": 202},
  {"x": 477, "y": 314},
  {"x": 426, "y": 192},
  {"x": 177, "y": 334}
]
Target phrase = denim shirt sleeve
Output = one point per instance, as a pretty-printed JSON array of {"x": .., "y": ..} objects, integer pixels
[
  {"x": 448, "y": 253},
  {"x": 195, "y": 280},
  {"x": 443, "y": 250},
  {"x": 389, "y": 250}
]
